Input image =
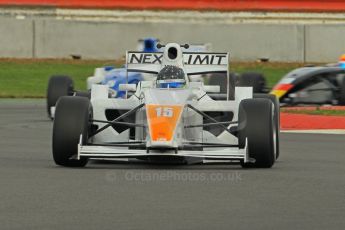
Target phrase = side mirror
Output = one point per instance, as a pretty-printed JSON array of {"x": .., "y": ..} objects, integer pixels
[
  {"x": 212, "y": 88},
  {"x": 128, "y": 87}
]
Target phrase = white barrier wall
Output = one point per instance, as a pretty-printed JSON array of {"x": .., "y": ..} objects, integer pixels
[
  {"x": 324, "y": 42},
  {"x": 16, "y": 38},
  {"x": 109, "y": 40},
  {"x": 49, "y": 38}
]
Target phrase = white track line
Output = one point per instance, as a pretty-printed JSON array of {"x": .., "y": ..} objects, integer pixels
[{"x": 316, "y": 131}]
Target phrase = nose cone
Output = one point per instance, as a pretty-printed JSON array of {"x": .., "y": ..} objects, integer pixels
[
  {"x": 167, "y": 97},
  {"x": 162, "y": 121},
  {"x": 281, "y": 89}
]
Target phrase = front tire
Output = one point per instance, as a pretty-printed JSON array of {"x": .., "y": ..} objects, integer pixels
[
  {"x": 257, "y": 125},
  {"x": 71, "y": 120},
  {"x": 276, "y": 104}
]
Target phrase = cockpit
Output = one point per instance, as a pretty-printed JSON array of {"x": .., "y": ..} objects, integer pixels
[{"x": 171, "y": 77}]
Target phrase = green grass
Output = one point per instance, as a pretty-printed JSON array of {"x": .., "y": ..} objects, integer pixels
[
  {"x": 21, "y": 79},
  {"x": 29, "y": 78},
  {"x": 317, "y": 112}
]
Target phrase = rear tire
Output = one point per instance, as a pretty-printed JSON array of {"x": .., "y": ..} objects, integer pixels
[
  {"x": 220, "y": 79},
  {"x": 58, "y": 86},
  {"x": 71, "y": 121},
  {"x": 255, "y": 80},
  {"x": 257, "y": 124},
  {"x": 276, "y": 103}
]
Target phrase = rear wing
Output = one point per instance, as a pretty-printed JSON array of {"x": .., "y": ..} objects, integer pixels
[{"x": 194, "y": 62}]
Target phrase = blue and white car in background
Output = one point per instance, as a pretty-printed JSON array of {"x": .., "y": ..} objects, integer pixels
[
  {"x": 116, "y": 76},
  {"x": 113, "y": 77},
  {"x": 59, "y": 86}
]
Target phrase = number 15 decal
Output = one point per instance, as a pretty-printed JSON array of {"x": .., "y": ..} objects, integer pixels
[
  {"x": 163, "y": 120},
  {"x": 164, "y": 112}
]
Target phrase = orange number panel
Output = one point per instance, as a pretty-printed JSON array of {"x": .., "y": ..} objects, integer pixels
[{"x": 162, "y": 121}]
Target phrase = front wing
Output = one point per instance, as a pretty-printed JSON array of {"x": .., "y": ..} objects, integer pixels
[{"x": 106, "y": 152}]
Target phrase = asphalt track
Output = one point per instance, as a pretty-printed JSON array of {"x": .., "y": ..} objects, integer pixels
[{"x": 304, "y": 190}]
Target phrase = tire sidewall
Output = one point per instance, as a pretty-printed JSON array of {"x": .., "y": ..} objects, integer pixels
[
  {"x": 71, "y": 121},
  {"x": 58, "y": 86},
  {"x": 257, "y": 124},
  {"x": 276, "y": 104},
  {"x": 342, "y": 93}
]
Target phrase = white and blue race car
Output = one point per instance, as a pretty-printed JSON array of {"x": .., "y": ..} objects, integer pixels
[{"x": 60, "y": 85}]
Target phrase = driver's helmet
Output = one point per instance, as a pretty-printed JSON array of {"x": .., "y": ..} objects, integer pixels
[
  {"x": 150, "y": 45},
  {"x": 171, "y": 77},
  {"x": 342, "y": 61}
]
